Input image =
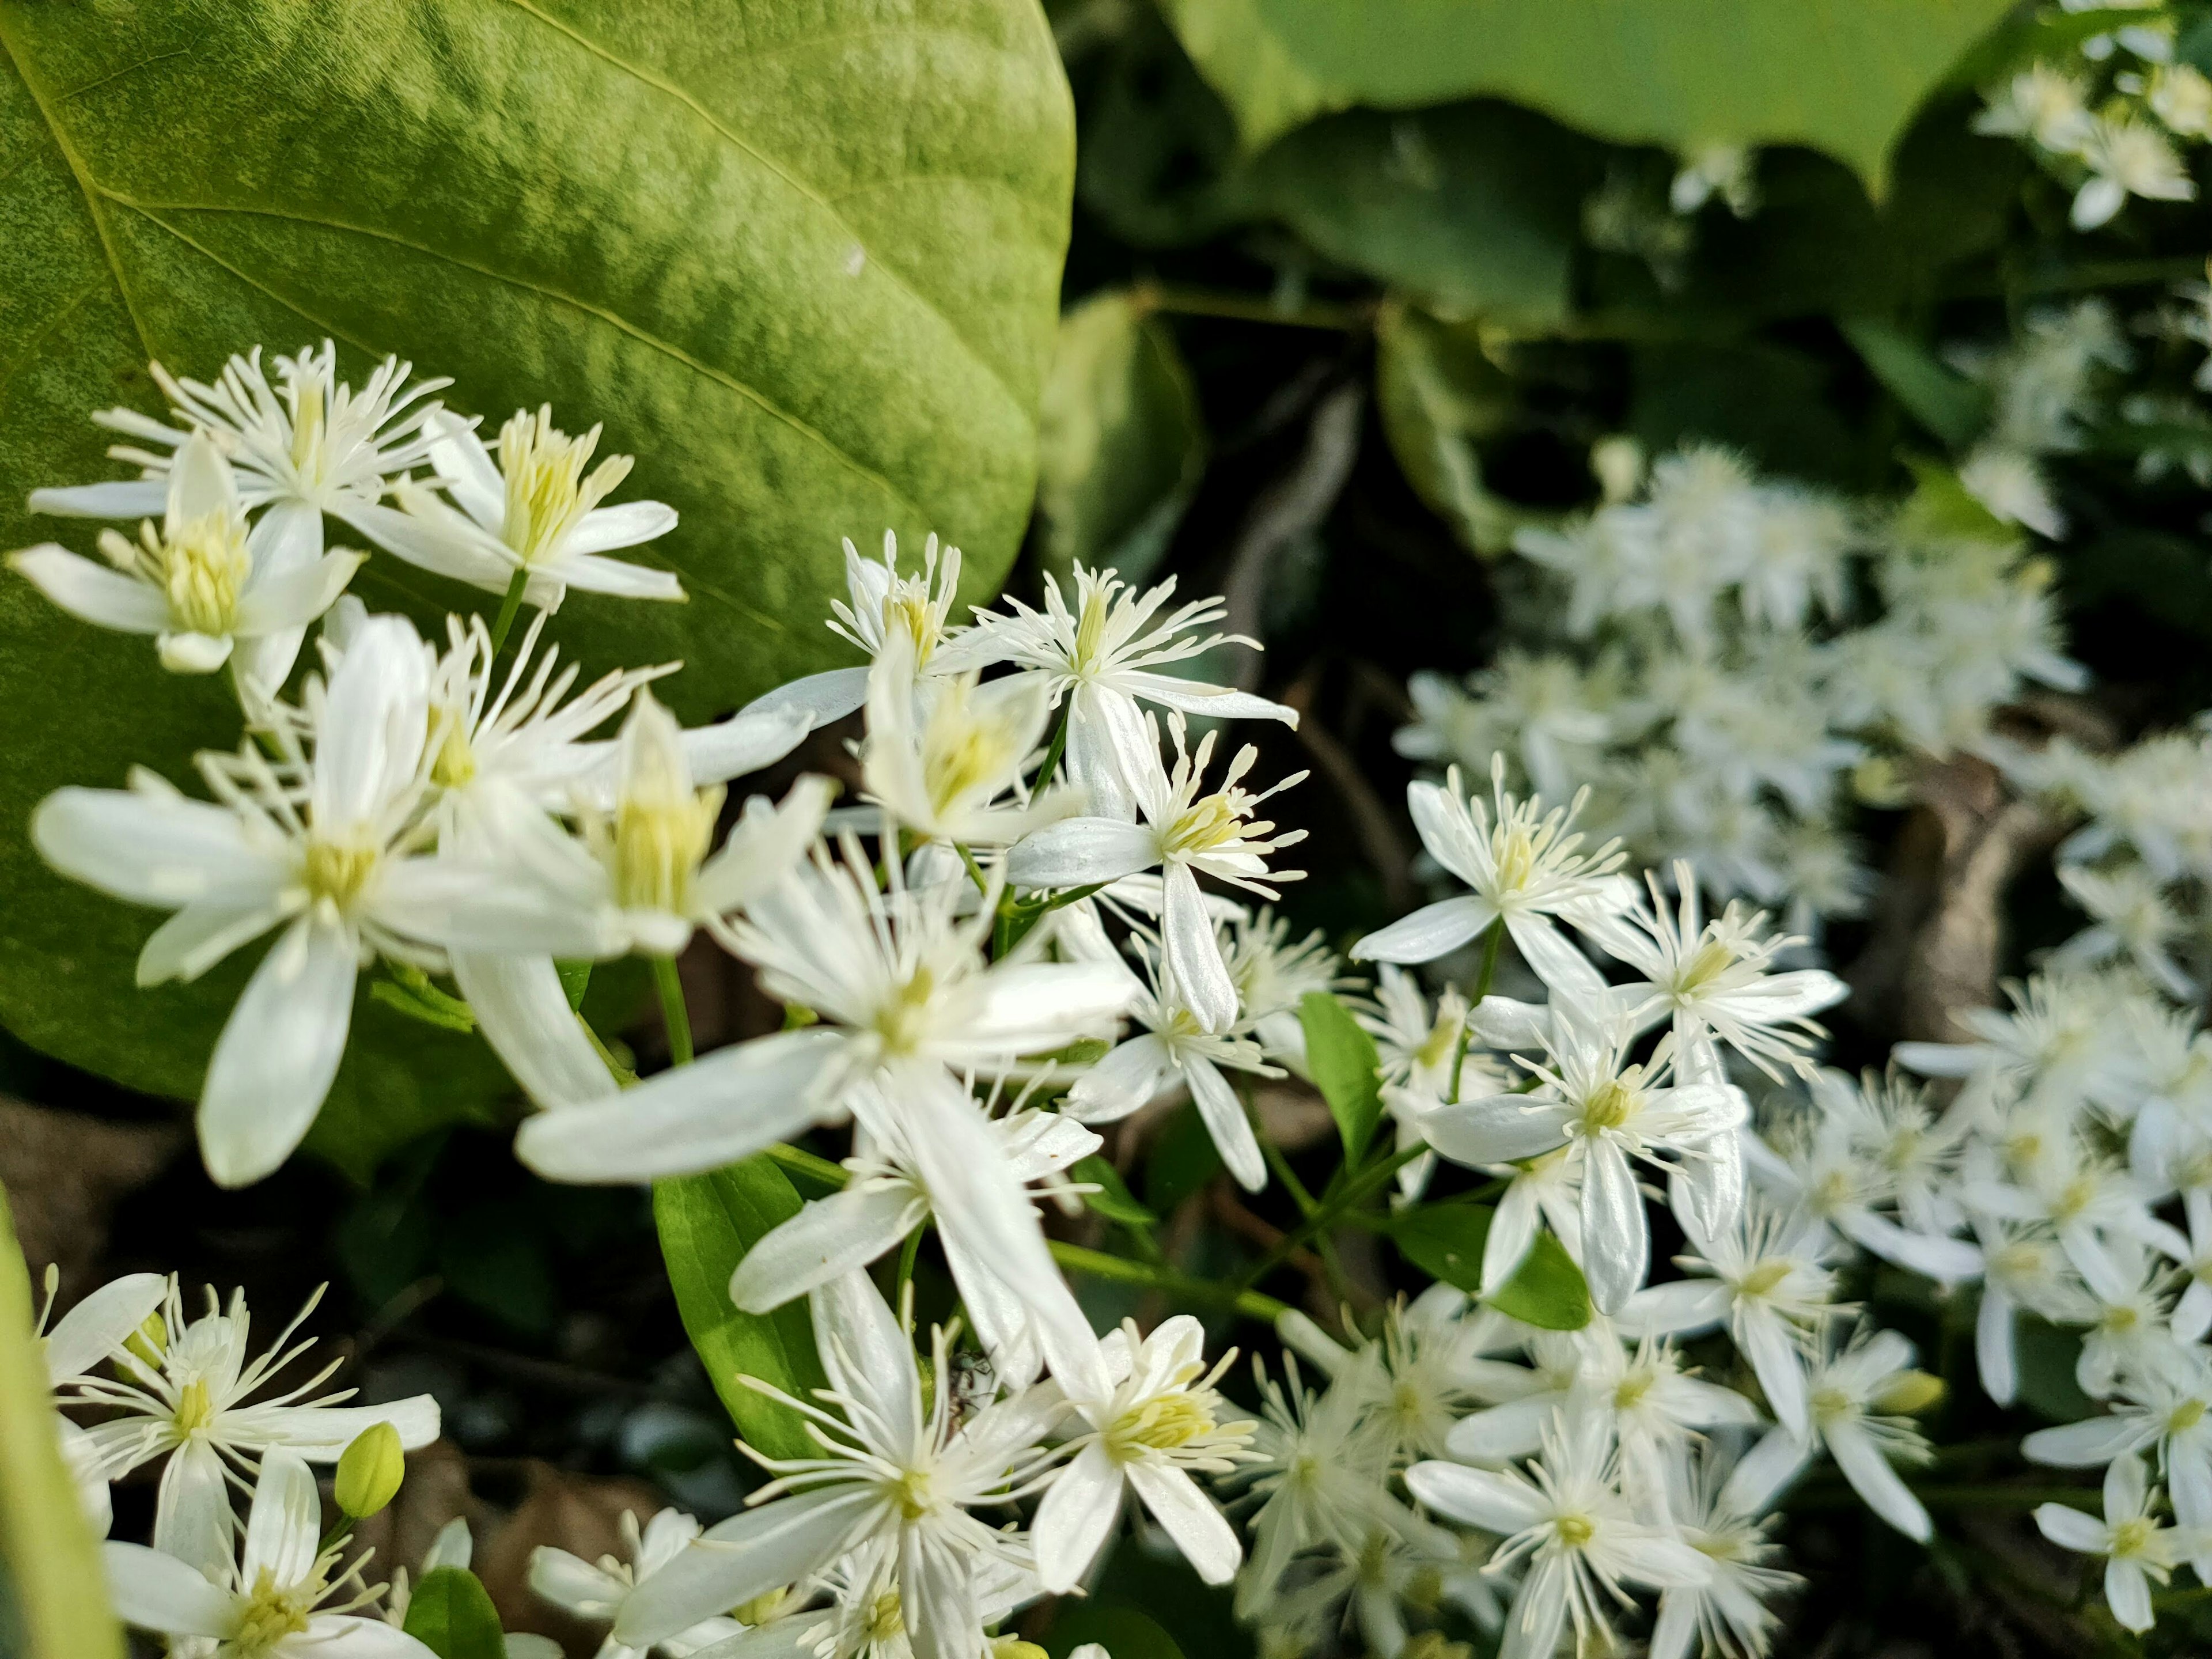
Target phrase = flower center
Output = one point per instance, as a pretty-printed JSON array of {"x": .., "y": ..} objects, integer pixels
[
  {"x": 1515, "y": 855},
  {"x": 547, "y": 491},
  {"x": 916, "y": 1494},
  {"x": 660, "y": 841},
  {"x": 193, "y": 1412},
  {"x": 1628, "y": 1393},
  {"x": 271, "y": 1613},
  {"x": 310, "y": 414},
  {"x": 903, "y": 1020},
  {"x": 2132, "y": 1536},
  {"x": 1765, "y": 1279},
  {"x": 1702, "y": 966},
  {"x": 907, "y": 610},
  {"x": 2119, "y": 1321},
  {"x": 1090, "y": 634},
  {"x": 204, "y": 568},
  {"x": 336, "y": 870},
  {"x": 2074, "y": 1198},
  {"x": 1575, "y": 1530},
  {"x": 1832, "y": 1405},
  {"x": 1442, "y": 1043},
  {"x": 454, "y": 766},
  {"x": 1608, "y": 1106},
  {"x": 1161, "y": 1424},
  {"x": 2186, "y": 1416},
  {"x": 1204, "y": 825}
]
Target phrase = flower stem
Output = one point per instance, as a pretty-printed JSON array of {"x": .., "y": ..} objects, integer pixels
[
  {"x": 1098, "y": 1265},
  {"x": 673, "y": 1013},
  {"x": 507, "y": 608},
  {"x": 907, "y": 1255},
  {"x": 1492, "y": 936},
  {"x": 801, "y": 1163},
  {"x": 1353, "y": 1192},
  {"x": 1058, "y": 746},
  {"x": 974, "y": 870}
]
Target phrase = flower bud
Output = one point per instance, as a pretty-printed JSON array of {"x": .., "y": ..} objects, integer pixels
[
  {"x": 1013, "y": 1647},
  {"x": 370, "y": 1470},
  {"x": 150, "y": 1341},
  {"x": 1908, "y": 1393}
]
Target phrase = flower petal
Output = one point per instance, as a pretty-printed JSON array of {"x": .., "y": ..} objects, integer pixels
[
  {"x": 278, "y": 1053},
  {"x": 1187, "y": 1515},
  {"x": 157, "y": 1591},
  {"x": 92, "y": 591},
  {"x": 1080, "y": 1509},
  {"x": 752, "y": 1552},
  {"x": 829, "y": 1237},
  {"x": 522, "y": 1009},
  {"x": 1430, "y": 932}
]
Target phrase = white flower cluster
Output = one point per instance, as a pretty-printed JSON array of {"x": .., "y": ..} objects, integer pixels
[
  {"x": 1716, "y": 689},
  {"x": 2107, "y": 125},
  {"x": 2044, "y": 387}
]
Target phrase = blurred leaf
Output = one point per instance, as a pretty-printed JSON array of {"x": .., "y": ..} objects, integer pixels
[
  {"x": 1341, "y": 1060},
  {"x": 708, "y": 1221},
  {"x": 1940, "y": 506},
  {"x": 1474, "y": 208},
  {"x": 1951, "y": 406},
  {"x": 1182, "y": 1160},
  {"x": 53, "y": 1592},
  {"x": 2046, "y": 1355},
  {"x": 1123, "y": 1631},
  {"x": 1120, "y": 441},
  {"x": 1113, "y": 1200},
  {"x": 1839, "y": 76},
  {"x": 491, "y": 1257},
  {"x": 451, "y": 1614},
  {"x": 1770, "y": 402},
  {"x": 803, "y": 261},
  {"x": 1156, "y": 140},
  {"x": 1438, "y": 396},
  {"x": 1445, "y": 1241},
  {"x": 409, "y": 991},
  {"x": 2030, "y": 35}
]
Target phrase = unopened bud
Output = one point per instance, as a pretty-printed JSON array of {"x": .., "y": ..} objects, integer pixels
[
  {"x": 1013, "y": 1647},
  {"x": 370, "y": 1470},
  {"x": 1908, "y": 1393},
  {"x": 797, "y": 1017},
  {"x": 762, "y": 1608},
  {"x": 150, "y": 1341}
]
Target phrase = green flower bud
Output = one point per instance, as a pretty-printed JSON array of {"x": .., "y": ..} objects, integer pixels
[
  {"x": 1908, "y": 1393},
  {"x": 371, "y": 1470}
]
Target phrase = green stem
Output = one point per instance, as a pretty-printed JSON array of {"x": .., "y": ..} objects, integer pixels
[
  {"x": 1058, "y": 746},
  {"x": 1245, "y": 308},
  {"x": 507, "y": 608},
  {"x": 673, "y": 1014},
  {"x": 975, "y": 871},
  {"x": 1284, "y": 1173},
  {"x": 1492, "y": 937},
  {"x": 1354, "y": 1192},
  {"x": 907, "y": 1255},
  {"x": 1098, "y": 1265},
  {"x": 801, "y": 1163}
]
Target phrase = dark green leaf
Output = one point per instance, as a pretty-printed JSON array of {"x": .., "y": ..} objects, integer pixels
[
  {"x": 1121, "y": 444},
  {"x": 1951, "y": 406},
  {"x": 1123, "y": 1631},
  {"x": 451, "y": 1614},
  {"x": 1113, "y": 1200},
  {"x": 1340, "y": 1058},
  {"x": 1182, "y": 1160},
  {"x": 803, "y": 261},
  {"x": 1438, "y": 396},
  {"x": 708, "y": 1221},
  {"x": 575, "y": 980},
  {"x": 1839, "y": 76},
  {"x": 2047, "y": 1356},
  {"x": 1445, "y": 1241}
]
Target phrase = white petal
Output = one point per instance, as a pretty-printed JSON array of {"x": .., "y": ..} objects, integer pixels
[
  {"x": 149, "y": 847},
  {"x": 1430, "y": 932},
  {"x": 937, "y": 1583},
  {"x": 1512, "y": 1234},
  {"x": 202, "y": 934},
  {"x": 125, "y": 498},
  {"x": 286, "y": 602},
  {"x": 1994, "y": 1349},
  {"x": 1876, "y": 1481},
  {"x": 91, "y": 592},
  {"x": 278, "y": 1053},
  {"x": 192, "y": 1517},
  {"x": 745, "y": 742},
  {"x": 1190, "y": 952},
  {"x": 1187, "y": 1515},
  {"x": 1002, "y": 1322},
  {"x": 829, "y": 1238},
  {"x": 867, "y": 1357},
  {"x": 822, "y": 698},
  {"x": 1226, "y": 1122},
  {"x": 1778, "y": 1362},
  {"x": 2127, "y": 1591},
  {"x": 2068, "y": 1528},
  {"x": 1759, "y": 1476},
  {"x": 2088, "y": 1444},
  {"x": 157, "y": 1591},
  {"x": 465, "y": 466},
  {"x": 752, "y": 1552},
  {"x": 522, "y": 1009},
  {"x": 1500, "y": 1434},
  {"x": 351, "y": 1635},
  {"x": 320, "y": 1434},
  {"x": 618, "y": 577},
  {"x": 1077, "y": 852},
  {"x": 1616, "y": 1237},
  {"x": 1682, "y": 1307},
  {"x": 1494, "y": 1129},
  {"x": 1133, "y": 1073},
  {"x": 90, "y": 1331},
  {"x": 284, "y": 1527},
  {"x": 1553, "y": 960},
  {"x": 576, "y": 1585},
  {"x": 468, "y": 906},
  {"x": 624, "y": 525},
  {"x": 369, "y": 742},
  {"x": 1080, "y": 1509},
  {"x": 1477, "y": 1497},
  {"x": 1539, "y": 1614},
  {"x": 725, "y": 1106},
  {"x": 443, "y": 542}
]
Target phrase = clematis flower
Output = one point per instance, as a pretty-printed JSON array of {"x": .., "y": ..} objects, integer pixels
[
  {"x": 1183, "y": 835},
  {"x": 942, "y": 771},
  {"x": 2127, "y": 157},
  {"x": 533, "y": 509},
  {"x": 1527, "y": 867},
  {"x": 188, "y": 1396},
  {"x": 1158, "y": 1426},
  {"x": 324, "y": 846},
  {"x": 204, "y": 584},
  {"x": 897, "y": 1483},
  {"x": 1102, "y": 657},
  {"x": 879, "y": 605},
  {"x": 1721, "y": 1519},
  {"x": 2139, "y": 1549},
  {"x": 269, "y": 1601},
  {"x": 596, "y": 1591}
]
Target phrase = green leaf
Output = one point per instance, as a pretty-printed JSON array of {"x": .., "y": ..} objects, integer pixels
[
  {"x": 1440, "y": 396},
  {"x": 1121, "y": 442},
  {"x": 50, "y": 1587},
  {"x": 708, "y": 1221},
  {"x": 411, "y": 992},
  {"x": 2047, "y": 1355},
  {"x": 1182, "y": 1159},
  {"x": 1445, "y": 1241},
  {"x": 1123, "y": 1631},
  {"x": 803, "y": 261},
  {"x": 1113, "y": 1200},
  {"x": 1952, "y": 407},
  {"x": 451, "y": 1614},
  {"x": 1340, "y": 1058},
  {"x": 1844, "y": 77},
  {"x": 1940, "y": 507}
]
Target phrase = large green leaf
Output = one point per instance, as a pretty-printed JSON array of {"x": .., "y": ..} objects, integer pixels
[
  {"x": 1839, "y": 76},
  {"x": 708, "y": 1221},
  {"x": 452, "y": 1614},
  {"x": 1445, "y": 1240},
  {"x": 1440, "y": 396},
  {"x": 1340, "y": 1058},
  {"x": 802, "y": 261},
  {"x": 52, "y": 1600}
]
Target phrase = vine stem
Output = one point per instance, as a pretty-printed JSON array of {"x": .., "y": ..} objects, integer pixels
[
  {"x": 508, "y": 607},
  {"x": 1059, "y": 745},
  {"x": 673, "y": 1013},
  {"x": 1354, "y": 1192},
  {"x": 1492, "y": 936}
]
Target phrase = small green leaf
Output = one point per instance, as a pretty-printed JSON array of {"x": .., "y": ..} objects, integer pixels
[
  {"x": 1182, "y": 1159},
  {"x": 575, "y": 980},
  {"x": 2048, "y": 1356},
  {"x": 1120, "y": 443},
  {"x": 1340, "y": 1058},
  {"x": 451, "y": 1614},
  {"x": 1948, "y": 403},
  {"x": 410, "y": 991},
  {"x": 1940, "y": 509},
  {"x": 1123, "y": 1631},
  {"x": 1113, "y": 1200},
  {"x": 708, "y": 1222},
  {"x": 1445, "y": 1240}
]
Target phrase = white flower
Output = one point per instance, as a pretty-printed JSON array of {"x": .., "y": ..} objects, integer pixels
[
  {"x": 1854, "y": 1400},
  {"x": 1729, "y": 1614},
  {"x": 1711, "y": 978},
  {"x": 203, "y": 583},
  {"x": 1525, "y": 867},
  {"x": 534, "y": 510},
  {"x": 1174, "y": 1044},
  {"x": 940, "y": 764},
  {"x": 596, "y": 1591},
  {"x": 1183, "y": 835},
  {"x": 2181, "y": 97},
  {"x": 268, "y": 1603},
  {"x": 2041, "y": 103},
  {"x": 1568, "y": 1521},
  {"x": 2022, "y": 1267},
  {"x": 2138, "y": 1548},
  {"x": 2127, "y": 157},
  {"x": 1103, "y": 658},
  {"x": 327, "y": 848},
  {"x": 1274, "y": 975},
  {"x": 2165, "y": 1407},
  {"x": 1592, "y": 1095},
  {"x": 1722, "y": 170},
  {"x": 2010, "y": 483},
  {"x": 89, "y": 1334},
  {"x": 895, "y": 1482},
  {"x": 191, "y": 1395},
  {"x": 888, "y": 1197},
  {"x": 1160, "y": 1425},
  {"x": 2134, "y": 919},
  {"x": 884, "y": 605}
]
